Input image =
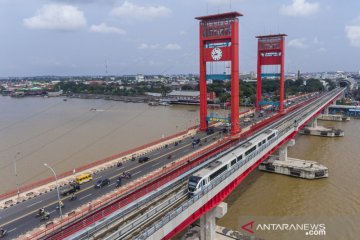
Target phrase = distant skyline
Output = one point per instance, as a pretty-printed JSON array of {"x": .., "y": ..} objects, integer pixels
[{"x": 82, "y": 37}]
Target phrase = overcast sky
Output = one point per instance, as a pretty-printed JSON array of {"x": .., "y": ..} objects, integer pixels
[{"x": 80, "y": 37}]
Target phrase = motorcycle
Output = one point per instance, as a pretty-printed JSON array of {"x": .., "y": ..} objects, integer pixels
[
  {"x": 60, "y": 205},
  {"x": 45, "y": 216},
  {"x": 73, "y": 198},
  {"x": 40, "y": 213},
  {"x": 3, "y": 233},
  {"x": 118, "y": 183},
  {"x": 169, "y": 156},
  {"x": 126, "y": 175}
]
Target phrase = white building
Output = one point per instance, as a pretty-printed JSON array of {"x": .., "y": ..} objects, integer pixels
[{"x": 139, "y": 78}]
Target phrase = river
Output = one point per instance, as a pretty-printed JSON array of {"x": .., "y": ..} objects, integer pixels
[
  {"x": 267, "y": 198},
  {"x": 68, "y": 134}
]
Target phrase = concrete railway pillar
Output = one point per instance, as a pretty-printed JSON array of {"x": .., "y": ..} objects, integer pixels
[
  {"x": 207, "y": 221},
  {"x": 326, "y": 111},
  {"x": 283, "y": 150},
  {"x": 314, "y": 123}
]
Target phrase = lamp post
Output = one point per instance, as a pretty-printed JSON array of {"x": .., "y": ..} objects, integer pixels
[
  {"x": 16, "y": 175},
  {"x": 57, "y": 187}
]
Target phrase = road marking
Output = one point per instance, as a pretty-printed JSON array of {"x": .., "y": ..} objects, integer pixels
[
  {"x": 52, "y": 211},
  {"x": 111, "y": 184},
  {"x": 64, "y": 198},
  {"x": 156, "y": 164},
  {"x": 34, "y": 203},
  {"x": 98, "y": 177},
  {"x": 85, "y": 196},
  {"x": 136, "y": 173},
  {"x": 11, "y": 230},
  {"x": 121, "y": 168}
]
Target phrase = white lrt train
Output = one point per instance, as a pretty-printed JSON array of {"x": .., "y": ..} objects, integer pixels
[{"x": 204, "y": 176}]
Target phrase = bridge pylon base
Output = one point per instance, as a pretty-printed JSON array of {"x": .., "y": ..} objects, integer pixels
[{"x": 207, "y": 221}]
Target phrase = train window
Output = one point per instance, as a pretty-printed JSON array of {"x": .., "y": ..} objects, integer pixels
[
  {"x": 259, "y": 144},
  {"x": 239, "y": 158},
  {"x": 264, "y": 141},
  {"x": 233, "y": 162},
  {"x": 271, "y": 136},
  {"x": 250, "y": 150},
  {"x": 218, "y": 172}
]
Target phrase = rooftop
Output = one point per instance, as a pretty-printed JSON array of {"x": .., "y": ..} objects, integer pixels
[{"x": 220, "y": 15}]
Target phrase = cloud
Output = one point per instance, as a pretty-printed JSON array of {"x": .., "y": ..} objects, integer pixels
[
  {"x": 173, "y": 46},
  {"x": 322, "y": 49},
  {"x": 56, "y": 17},
  {"x": 300, "y": 8},
  {"x": 317, "y": 41},
  {"x": 103, "y": 28},
  {"x": 149, "y": 46},
  {"x": 353, "y": 32},
  {"x": 298, "y": 43},
  {"x": 131, "y": 11}
]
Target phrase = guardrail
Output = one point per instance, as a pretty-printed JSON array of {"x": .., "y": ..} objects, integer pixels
[
  {"x": 90, "y": 165},
  {"x": 117, "y": 200},
  {"x": 101, "y": 213},
  {"x": 283, "y": 132}
]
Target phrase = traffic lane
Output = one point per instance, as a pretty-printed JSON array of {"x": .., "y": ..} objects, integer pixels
[
  {"x": 96, "y": 193},
  {"x": 39, "y": 201},
  {"x": 52, "y": 196}
]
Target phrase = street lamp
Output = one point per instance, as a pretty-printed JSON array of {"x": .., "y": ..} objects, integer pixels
[
  {"x": 16, "y": 175},
  {"x": 57, "y": 187}
]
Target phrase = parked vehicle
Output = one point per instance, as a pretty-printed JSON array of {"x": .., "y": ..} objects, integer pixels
[{"x": 102, "y": 183}]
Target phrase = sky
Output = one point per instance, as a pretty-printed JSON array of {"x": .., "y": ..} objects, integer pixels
[{"x": 118, "y": 37}]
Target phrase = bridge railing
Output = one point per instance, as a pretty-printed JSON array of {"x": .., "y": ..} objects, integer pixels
[
  {"x": 283, "y": 132},
  {"x": 113, "y": 208},
  {"x": 183, "y": 207},
  {"x": 41, "y": 182}
]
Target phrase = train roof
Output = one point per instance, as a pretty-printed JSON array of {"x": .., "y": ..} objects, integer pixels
[{"x": 232, "y": 154}]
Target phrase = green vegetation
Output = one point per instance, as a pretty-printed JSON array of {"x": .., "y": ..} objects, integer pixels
[
  {"x": 126, "y": 89},
  {"x": 270, "y": 88}
]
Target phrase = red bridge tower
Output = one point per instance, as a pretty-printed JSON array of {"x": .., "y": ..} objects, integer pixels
[
  {"x": 219, "y": 41},
  {"x": 271, "y": 51}
]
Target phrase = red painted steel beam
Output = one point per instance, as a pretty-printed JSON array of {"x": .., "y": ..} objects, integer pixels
[
  {"x": 224, "y": 192},
  {"x": 258, "y": 79},
  {"x": 235, "y": 124},
  {"x": 282, "y": 75},
  {"x": 203, "y": 87}
]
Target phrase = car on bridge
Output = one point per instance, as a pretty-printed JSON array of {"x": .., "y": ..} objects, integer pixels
[
  {"x": 196, "y": 141},
  {"x": 69, "y": 189},
  {"x": 143, "y": 159},
  {"x": 102, "y": 183},
  {"x": 210, "y": 131}
]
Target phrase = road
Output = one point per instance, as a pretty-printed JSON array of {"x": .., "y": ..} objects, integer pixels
[{"x": 21, "y": 218}]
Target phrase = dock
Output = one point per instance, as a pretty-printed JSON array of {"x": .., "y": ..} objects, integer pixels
[
  {"x": 294, "y": 167},
  {"x": 333, "y": 117},
  {"x": 322, "y": 131}
]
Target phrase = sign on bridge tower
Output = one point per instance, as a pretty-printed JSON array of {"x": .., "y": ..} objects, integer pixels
[
  {"x": 271, "y": 51},
  {"x": 219, "y": 41}
]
